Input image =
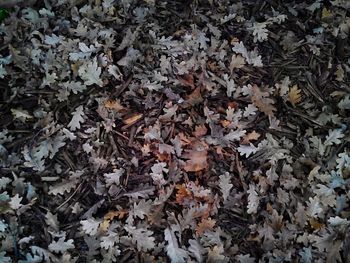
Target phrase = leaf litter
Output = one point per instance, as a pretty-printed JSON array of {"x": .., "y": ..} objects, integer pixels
[{"x": 196, "y": 131}]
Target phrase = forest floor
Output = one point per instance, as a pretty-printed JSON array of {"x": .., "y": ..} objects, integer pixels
[{"x": 175, "y": 131}]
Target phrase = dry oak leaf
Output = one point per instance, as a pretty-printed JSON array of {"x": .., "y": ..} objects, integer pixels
[
  {"x": 237, "y": 61},
  {"x": 294, "y": 95},
  {"x": 187, "y": 80},
  {"x": 132, "y": 119},
  {"x": 262, "y": 102},
  {"x": 339, "y": 73},
  {"x": 197, "y": 157},
  {"x": 205, "y": 224},
  {"x": 252, "y": 136},
  {"x": 200, "y": 130},
  {"x": 114, "y": 105},
  {"x": 194, "y": 98},
  {"x": 315, "y": 224},
  {"x": 110, "y": 216},
  {"x": 183, "y": 194}
]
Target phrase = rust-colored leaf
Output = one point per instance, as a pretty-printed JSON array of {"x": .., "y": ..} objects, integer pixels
[
  {"x": 182, "y": 194},
  {"x": 132, "y": 119},
  {"x": 225, "y": 123},
  {"x": 114, "y": 105},
  {"x": 294, "y": 95}
]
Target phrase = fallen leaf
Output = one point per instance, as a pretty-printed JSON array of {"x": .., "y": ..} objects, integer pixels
[
  {"x": 134, "y": 118},
  {"x": 20, "y": 114},
  {"x": 74, "y": 67},
  {"x": 197, "y": 157},
  {"x": 315, "y": 224},
  {"x": 110, "y": 216},
  {"x": 197, "y": 161},
  {"x": 339, "y": 73},
  {"x": 262, "y": 102},
  {"x": 294, "y": 95},
  {"x": 237, "y": 61},
  {"x": 194, "y": 98},
  {"x": 205, "y": 224},
  {"x": 200, "y": 130},
  {"x": 183, "y": 194},
  {"x": 252, "y": 136},
  {"x": 326, "y": 13},
  {"x": 187, "y": 80},
  {"x": 114, "y": 105}
]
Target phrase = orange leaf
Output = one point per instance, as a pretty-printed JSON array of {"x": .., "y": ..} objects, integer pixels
[
  {"x": 225, "y": 123},
  {"x": 114, "y": 105},
  {"x": 109, "y": 217},
  {"x": 182, "y": 194},
  {"x": 134, "y": 118},
  {"x": 294, "y": 95},
  {"x": 205, "y": 224}
]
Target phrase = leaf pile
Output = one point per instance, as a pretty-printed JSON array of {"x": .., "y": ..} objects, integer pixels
[{"x": 189, "y": 131}]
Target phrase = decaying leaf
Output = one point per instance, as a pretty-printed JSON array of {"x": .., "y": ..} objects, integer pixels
[
  {"x": 132, "y": 119},
  {"x": 237, "y": 61},
  {"x": 252, "y": 136},
  {"x": 61, "y": 246},
  {"x": 114, "y": 104},
  {"x": 197, "y": 158},
  {"x": 294, "y": 95},
  {"x": 262, "y": 101},
  {"x": 205, "y": 224}
]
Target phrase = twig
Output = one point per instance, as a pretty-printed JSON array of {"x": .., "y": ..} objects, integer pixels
[{"x": 69, "y": 198}]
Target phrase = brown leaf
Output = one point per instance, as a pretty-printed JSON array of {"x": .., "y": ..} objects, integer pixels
[
  {"x": 109, "y": 217},
  {"x": 262, "y": 102},
  {"x": 183, "y": 194},
  {"x": 205, "y": 224},
  {"x": 194, "y": 98},
  {"x": 315, "y": 224},
  {"x": 197, "y": 161},
  {"x": 187, "y": 80},
  {"x": 132, "y": 119},
  {"x": 200, "y": 131},
  {"x": 250, "y": 137},
  {"x": 237, "y": 61},
  {"x": 197, "y": 157},
  {"x": 114, "y": 105},
  {"x": 294, "y": 95}
]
